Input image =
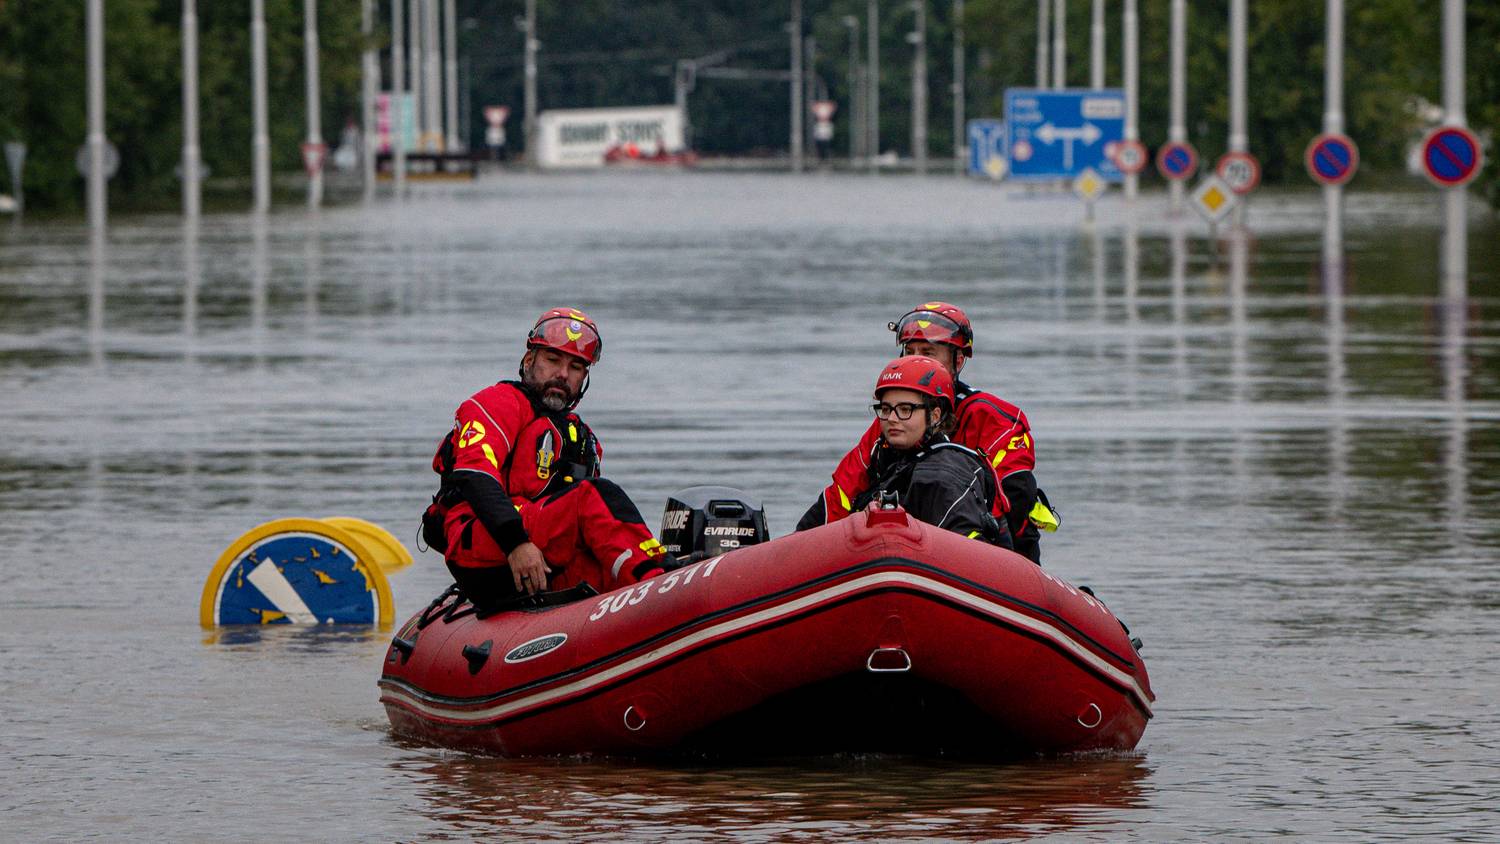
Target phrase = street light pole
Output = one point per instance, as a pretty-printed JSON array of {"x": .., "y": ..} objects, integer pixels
[
  {"x": 528, "y": 127},
  {"x": 314, "y": 118},
  {"x": 1456, "y": 228},
  {"x": 398, "y": 99},
  {"x": 98, "y": 208},
  {"x": 1177, "y": 127},
  {"x": 1060, "y": 44},
  {"x": 192, "y": 188},
  {"x": 369, "y": 82},
  {"x": 432, "y": 76},
  {"x": 919, "y": 90},
  {"x": 960, "y": 145},
  {"x": 1096, "y": 47},
  {"x": 450, "y": 66},
  {"x": 1132, "y": 86},
  {"x": 851, "y": 23},
  {"x": 260, "y": 141},
  {"x": 795, "y": 28},
  {"x": 872, "y": 83},
  {"x": 1042, "y": 26}
]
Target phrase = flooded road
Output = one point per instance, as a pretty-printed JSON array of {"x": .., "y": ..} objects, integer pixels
[{"x": 1287, "y": 484}]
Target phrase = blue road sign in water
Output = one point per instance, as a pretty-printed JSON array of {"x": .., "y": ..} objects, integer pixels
[
  {"x": 987, "y": 147},
  {"x": 1059, "y": 134},
  {"x": 1332, "y": 159},
  {"x": 1451, "y": 155}
]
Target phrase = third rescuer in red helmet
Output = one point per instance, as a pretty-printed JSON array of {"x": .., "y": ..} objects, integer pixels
[
  {"x": 937, "y": 480},
  {"x": 521, "y": 507},
  {"x": 985, "y": 423}
]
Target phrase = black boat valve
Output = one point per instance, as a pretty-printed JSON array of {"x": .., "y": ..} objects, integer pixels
[
  {"x": 404, "y": 647},
  {"x": 478, "y": 655}
]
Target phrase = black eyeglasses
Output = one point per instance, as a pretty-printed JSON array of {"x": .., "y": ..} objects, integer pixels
[{"x": 901, "y": 410}]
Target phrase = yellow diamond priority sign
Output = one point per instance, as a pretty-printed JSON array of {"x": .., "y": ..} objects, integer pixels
[
  {"x": 1213, "y": 199},
  {"x": 1089, "y": 185}
]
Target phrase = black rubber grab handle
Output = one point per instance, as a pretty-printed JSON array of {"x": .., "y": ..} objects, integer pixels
[{"x": 477, "y": 655}]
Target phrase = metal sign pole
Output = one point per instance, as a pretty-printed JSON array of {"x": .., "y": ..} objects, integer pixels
[
  {"x": 528, "y": 127},
  {"x": 98, "y": 210},
  {"x": 414, "y": 66},
  {"x": 432, "y": 76},
  {"x": 450, "y": 59},
  {"x": 369, "y": 76},
  {"x": 960, "y": 148},
  {"x": 397, "y": 114},
  {"x": 1333, "y": 122},
  {"x": 872, "y": 113},
  {"x": 794, "y": 26},
  {"x": 851, "y": 23},
  {"x": 1096, "y": 47},
  {"x": 192, "y": 192},
  {"x": 1042, "y": 25},
  {"x": 1177, "y": 128},
  {"x": 1060, "y": 44},
  {"x": 1456, "y": 239},
  {"x": 1132, "y": 85},
  {"x": 314, "y": 110},
  {"x": 1239, "y": 139},
  {"x": 260, "y": 142},
  {"x": 919, "y": 89}
]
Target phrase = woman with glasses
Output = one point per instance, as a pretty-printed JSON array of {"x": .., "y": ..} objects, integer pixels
[{"x": 937, "y": 480}]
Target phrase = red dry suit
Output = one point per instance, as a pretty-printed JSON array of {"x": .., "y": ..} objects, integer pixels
[
  {"x": 987, "y": 424},
  {"x": 514, "y": 471}
]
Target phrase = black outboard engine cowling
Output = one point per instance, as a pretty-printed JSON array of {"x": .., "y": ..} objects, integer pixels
[{"x": 706, "y": 521}]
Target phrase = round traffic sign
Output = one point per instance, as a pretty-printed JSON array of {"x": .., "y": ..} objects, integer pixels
[
  {"x": 1130, "y": 157},
  {"x": 296, "y": 571},
  {"x": 1452, "y": 156},
  {"x": 1239, "y": 170},
  {"x": 1332, "y": 159},
  {"x": 1177, "y": 161}
]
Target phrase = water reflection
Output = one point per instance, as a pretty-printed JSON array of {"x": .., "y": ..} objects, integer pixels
[
  {"x": 97, "y": 258},
  {"x": 312, "y": 272},
  {"x": 863, "y": 796},
  {"x": 192, "y": 273},
  {"x": 1454, "y": 315},
  {"x": 1337, "y": 382},
  {"x": 260, "y": 270}
]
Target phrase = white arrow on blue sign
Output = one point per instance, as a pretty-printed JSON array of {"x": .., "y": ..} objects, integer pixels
[{"x": 1059, "y": 134}]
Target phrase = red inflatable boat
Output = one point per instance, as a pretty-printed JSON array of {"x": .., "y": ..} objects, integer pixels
[{"x": 876, "y": 633}]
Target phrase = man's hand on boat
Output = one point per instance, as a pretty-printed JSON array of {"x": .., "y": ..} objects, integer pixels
[{"x": 529, "y": 568}]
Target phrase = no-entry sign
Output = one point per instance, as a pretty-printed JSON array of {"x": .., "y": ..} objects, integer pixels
[
  {"x": 1332, "y": 159},
  {"x": 1240, "y": 171},
  {"x": 1451, "y": 155},
  {"x": 1177, "y": 161}
]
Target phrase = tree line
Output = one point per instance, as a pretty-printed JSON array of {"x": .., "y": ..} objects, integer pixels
[{"x": 612, "y": 53}]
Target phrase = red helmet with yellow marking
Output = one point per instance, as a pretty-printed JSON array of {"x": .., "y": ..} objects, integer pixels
[
  {"x": 920, "y": 374},
  {"x": 568, "y": 330},
  {"x": 936, "y": 322}
]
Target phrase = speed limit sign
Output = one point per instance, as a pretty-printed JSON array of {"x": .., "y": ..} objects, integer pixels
[{"x": 1240, "y": 171}]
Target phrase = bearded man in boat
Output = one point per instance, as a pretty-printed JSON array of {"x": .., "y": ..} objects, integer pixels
[
  {"x": 521, "y": 507},
  {"x": 985, "y": 423}
]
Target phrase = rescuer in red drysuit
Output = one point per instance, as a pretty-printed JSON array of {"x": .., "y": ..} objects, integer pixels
[
  {"x": 935, "y": 479},
  {"x": 522, "y": 508},
  {"x": 986, "y": 423}
]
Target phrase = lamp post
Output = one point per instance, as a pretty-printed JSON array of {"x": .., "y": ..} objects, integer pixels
[
  {"x": 872, "y": 84},
  {"x": 192, "y": 189},
  {"x": 960, "y": 145},
  {"x": 918, "y": 38}
]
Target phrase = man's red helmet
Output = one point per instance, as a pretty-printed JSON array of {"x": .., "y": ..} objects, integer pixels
[
  {"x": 569, "y": 331},
  {"x": 918, "y": 373},
  {"x": 936, "y": 322}
]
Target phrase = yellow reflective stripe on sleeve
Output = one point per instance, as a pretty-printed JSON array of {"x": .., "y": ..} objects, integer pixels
[
  {"x": 572, "y": 432},
  {"x": 973, "y": 533},
  {"x": 1043, "y": 517},
  {"x": 843, "y": 499},
  {"x": 994, "y": 464},
  {"x": 490, "y": 453}
]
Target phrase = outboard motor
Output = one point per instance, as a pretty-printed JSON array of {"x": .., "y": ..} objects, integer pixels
[{"x": 706, "y": 521}]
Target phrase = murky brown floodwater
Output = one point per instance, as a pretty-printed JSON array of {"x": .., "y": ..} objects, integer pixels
[{"x": 1290, "y": 489}]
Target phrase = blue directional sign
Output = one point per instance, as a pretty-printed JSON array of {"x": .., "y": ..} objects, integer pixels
[
  {"x": 1054, "y": 135},
  {"x": 987, "y": 148}
]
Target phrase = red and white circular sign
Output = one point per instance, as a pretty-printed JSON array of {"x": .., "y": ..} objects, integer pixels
[
  {"x": 1130, "y": 157},
  {"x": 1240, "y": 171}
]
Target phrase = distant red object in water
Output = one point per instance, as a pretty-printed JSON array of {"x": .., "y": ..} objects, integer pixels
[
  {"x": 875, "y": 633},
  {"x": 630, "y": 153}
]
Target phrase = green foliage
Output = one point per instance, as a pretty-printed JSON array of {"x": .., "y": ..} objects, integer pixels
[{"x": 612, "y": 52}]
